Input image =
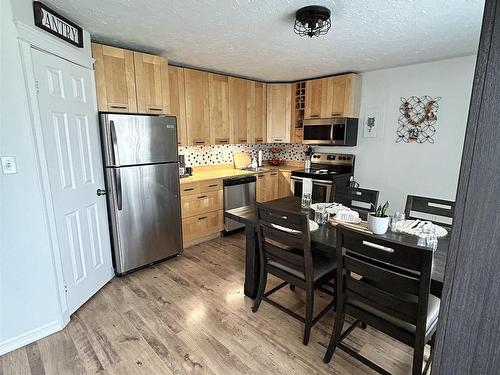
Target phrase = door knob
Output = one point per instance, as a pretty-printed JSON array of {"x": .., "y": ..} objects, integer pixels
[{"x": 101, "y": 192}]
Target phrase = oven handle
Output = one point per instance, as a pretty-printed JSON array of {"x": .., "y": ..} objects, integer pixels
[{"x": 319, "y": 182}]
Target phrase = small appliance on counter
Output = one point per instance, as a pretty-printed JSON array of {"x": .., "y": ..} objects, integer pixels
[{"x": 183, "y": 170}]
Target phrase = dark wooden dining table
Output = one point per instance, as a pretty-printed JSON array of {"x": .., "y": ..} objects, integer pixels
[{"x": 322, "y": 239}]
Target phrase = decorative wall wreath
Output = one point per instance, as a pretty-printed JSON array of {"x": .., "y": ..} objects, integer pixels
[{"x": 417, "y": 120}]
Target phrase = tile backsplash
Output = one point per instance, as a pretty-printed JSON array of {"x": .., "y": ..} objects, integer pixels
[{"x": 223, "y": 154}]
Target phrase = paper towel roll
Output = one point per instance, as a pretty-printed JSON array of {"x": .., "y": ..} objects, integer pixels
[{"x": 307, "y": 186}]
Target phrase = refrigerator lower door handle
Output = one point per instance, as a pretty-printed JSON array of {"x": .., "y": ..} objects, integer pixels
[{"x": 118, "y": 188}]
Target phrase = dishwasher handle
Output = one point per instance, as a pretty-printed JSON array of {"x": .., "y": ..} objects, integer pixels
[{"x": 239, "y": 180}]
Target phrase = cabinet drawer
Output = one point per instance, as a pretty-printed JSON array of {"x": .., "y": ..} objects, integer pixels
[
  {"x": 210, "y": 185},
  {"x": 190, "y": 188},
  {"x": 202, "y": 225},
  {"x": 197, "y": 204}
]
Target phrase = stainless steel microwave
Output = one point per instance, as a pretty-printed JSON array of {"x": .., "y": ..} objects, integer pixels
[{"x": 338, "y": 131}]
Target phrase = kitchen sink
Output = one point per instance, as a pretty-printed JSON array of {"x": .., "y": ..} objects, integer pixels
[{"x": 258, "y": 169}]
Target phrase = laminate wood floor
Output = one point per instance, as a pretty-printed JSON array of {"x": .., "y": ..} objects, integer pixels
[{"x": 189, "y": 316}]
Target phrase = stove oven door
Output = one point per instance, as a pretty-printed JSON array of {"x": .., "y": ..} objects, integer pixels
[{"x": 321, "y": 191}]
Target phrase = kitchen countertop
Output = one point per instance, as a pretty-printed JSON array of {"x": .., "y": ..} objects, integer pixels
[{"x": 226, "y": 171}]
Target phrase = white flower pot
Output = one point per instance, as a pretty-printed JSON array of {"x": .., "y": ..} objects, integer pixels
[{"x": 378, "y": 225}]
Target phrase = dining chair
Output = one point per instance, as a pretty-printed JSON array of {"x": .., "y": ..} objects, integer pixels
[
  {"x": 285, "y": 252},
  {"x": 357, "y": 198},
  {"x": 385, "y": 285},
  {"x": 416, "y": 206}
]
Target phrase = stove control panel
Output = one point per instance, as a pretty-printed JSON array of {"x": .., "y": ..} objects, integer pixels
[{"x": 333, "y": 159}]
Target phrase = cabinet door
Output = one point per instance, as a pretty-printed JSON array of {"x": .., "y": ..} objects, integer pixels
[
  {"x": 220, "y": 132},
  {"x": 261, "y": 186},
  {"x": 178, "y": 102},
  {"x": 260, "y": 113},
  {"x": 316, "y": 100},
  {"x": 151, "y": 81},
  {"x": 272, "y": 188},
  {"x": 203, "y": 225},
  {"x": 115, "y": 79},
  {"x": 337, "y": 91},
  {"x": 197, "y": 204},
  {"x": 239, "y": 109},
  {"x": 279, "y": 112},
  {"x": 344, "y": 94},
  {"x": 285, "y": 184},
  {"x": 197, "y": 108}
]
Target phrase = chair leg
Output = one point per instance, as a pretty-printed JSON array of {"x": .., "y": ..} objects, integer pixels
[
  {"x": 418, "y": 357},
  {"x": 431, "y": 355},
  {"x": 292, "y": 287},
  {"x": 261, "y": 290},
  {"x": 363, "y": 325},
  {"x": 334, "y": 340},
  {"x": 309, "y": 315}
]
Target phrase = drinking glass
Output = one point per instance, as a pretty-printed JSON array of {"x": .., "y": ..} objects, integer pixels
[
  {"x": 306, "y": 200},
  {"x": 397, "y": 222},
  {"x": 429, "y": 232},
  {"x": 321, "y": 215}
]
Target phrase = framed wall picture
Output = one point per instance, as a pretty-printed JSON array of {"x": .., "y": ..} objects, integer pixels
[{"x": 372, "y": 122}]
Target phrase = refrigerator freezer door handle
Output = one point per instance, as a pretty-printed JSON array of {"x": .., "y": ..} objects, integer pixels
[
  {"x": 114, "y": 145},
  {"x": 118, "y": 182}
]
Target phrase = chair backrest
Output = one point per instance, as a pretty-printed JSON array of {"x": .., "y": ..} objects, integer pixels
[
  {"x": 395, "y": 279},
  {"x": 357, "y": 198},
  {"x": 284, "y": 238},
  {"x": 437, "y": 210}
]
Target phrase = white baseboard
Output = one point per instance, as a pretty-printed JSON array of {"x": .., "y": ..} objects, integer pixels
[{"x": 29, "y": 337}]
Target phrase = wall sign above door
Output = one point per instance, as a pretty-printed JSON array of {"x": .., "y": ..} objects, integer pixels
[{"x": 54, "y": 23}]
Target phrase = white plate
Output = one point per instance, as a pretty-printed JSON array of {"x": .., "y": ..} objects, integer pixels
[
  {"x": 313, "y": 226},
  {"x": 332, "y": 210},
  {"x": 348, "y": 221}
]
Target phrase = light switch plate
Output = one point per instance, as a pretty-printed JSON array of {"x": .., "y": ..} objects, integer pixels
[{"x": 9, "y": 164}]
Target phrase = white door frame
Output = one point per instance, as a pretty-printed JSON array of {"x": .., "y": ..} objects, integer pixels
[{"x": 29, "y": 37}]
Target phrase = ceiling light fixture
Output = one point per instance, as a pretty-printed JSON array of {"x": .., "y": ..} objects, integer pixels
[{"x": 312, "y": 21}]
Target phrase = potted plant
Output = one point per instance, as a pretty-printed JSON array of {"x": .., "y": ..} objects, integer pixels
[{"x": 378, "y": 220}]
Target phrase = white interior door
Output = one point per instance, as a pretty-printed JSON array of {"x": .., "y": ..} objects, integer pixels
[{"x": 70, "y": 131}]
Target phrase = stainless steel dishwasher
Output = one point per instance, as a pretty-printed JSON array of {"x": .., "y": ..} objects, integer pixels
[{"x": 238, "y": 192}]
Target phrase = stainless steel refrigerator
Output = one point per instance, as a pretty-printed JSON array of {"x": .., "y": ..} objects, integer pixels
[{"x": 142, "y": 185}]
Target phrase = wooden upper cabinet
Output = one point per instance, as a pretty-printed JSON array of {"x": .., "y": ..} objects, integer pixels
[
  {"x": 240, "y": 109},
  {"x": 220, "y": 131},
  {"x": 316, "y": 99},
  {"x": 260, "y": 113},
  {"x": 197, "y": 107},
  {"x": 279, "y": 112},
  {"x": 115, "y": 79},
  {"x": 346, "y": 95},
  {"x": 178, "y": 102},
  {"x": 151, "y": 81},
  {"x": 337, "y": 96}
]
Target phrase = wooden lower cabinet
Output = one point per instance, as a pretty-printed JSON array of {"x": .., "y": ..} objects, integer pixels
[
  {"x": 267, "y": 187},
  {"x": 202, "y": 225},
  {"x": 285, "y": 184},
  {"x": 204, "y": 202},
  {"x": 202, "y": 205}
]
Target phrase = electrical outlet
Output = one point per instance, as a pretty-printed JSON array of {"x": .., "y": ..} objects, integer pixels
[{"x": 8, "y": 164}]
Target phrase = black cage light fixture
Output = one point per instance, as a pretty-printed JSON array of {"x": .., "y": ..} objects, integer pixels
[{"x": 312, "y": 21}]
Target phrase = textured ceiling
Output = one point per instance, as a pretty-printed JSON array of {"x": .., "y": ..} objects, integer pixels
[{"x": 255, "y": 38}]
